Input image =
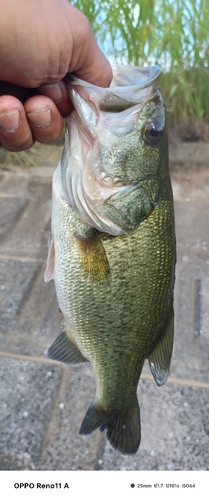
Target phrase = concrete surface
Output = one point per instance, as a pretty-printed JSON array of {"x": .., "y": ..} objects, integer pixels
[{"x": 43, "y": 402}]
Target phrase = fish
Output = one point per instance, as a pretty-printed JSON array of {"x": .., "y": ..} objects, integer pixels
[{"x": 112, "y": 247}]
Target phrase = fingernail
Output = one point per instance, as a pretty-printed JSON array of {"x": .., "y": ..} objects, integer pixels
[
  {"x": 54, "y": 91},
  {"x": 10, "y": 121},
  {"x": 41, "y": 118}
]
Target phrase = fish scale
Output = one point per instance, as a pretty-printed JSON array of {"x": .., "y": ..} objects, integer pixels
[{"x": 114, "y": 283}]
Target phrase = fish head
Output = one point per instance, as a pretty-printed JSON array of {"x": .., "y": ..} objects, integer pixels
[{"x": 115, "y": 149}]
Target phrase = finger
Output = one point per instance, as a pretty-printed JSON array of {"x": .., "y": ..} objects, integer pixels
[
  {"x": 88, "y": 61},
  {"x": 15, "y": 133},
  {"x": 58, "y": 93},
  {"x": 44, "y": 119}
]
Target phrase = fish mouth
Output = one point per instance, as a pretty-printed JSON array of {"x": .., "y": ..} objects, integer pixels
[{"x": 129, "y": 87}]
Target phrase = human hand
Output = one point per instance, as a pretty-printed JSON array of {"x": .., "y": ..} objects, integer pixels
[{"x": 40, "y": 42}]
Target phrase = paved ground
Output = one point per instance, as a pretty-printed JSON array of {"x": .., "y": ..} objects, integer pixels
[{"x": 42, "y": 402}]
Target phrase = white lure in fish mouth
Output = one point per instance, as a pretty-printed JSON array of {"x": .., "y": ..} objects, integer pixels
[{"x": 100, "y": 115}]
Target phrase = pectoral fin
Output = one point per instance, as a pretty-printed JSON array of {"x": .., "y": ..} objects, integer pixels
[
  {"x": 64, "y": 350},
  {"x": 160, "y": 357},
  {"x": 92, "y": 255}
]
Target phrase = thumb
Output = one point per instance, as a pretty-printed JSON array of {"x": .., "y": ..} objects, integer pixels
[{"x": 87, "y": 60}]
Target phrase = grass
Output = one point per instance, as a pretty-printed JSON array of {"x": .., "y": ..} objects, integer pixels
[{"x": 39, "y": 154}]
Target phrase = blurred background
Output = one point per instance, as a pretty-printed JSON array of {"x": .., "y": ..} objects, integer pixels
[{"x": 171, "y": 33}]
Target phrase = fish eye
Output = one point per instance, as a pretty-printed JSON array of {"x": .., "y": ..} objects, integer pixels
[{"x": 153, "y": 132}]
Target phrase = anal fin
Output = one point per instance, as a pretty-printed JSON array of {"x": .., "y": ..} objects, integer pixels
[
  {"x": 49, "y": 271},
  {"x": 64, "y": 350},
  {"x": 160, "y": 357}
]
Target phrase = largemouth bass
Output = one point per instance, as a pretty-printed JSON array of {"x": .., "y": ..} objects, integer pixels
[{"x": 112, "y": 248}]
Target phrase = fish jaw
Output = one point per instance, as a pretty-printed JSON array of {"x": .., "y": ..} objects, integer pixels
[{"x": 130, "y": 85}]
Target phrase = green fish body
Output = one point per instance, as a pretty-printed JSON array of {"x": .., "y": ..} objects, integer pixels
[{"x": 112, "y": 250}]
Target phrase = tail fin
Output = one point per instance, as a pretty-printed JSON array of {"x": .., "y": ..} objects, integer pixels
[{"x": 123, "y": 431}]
